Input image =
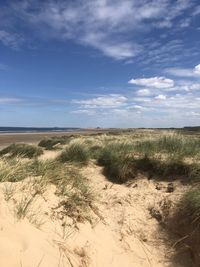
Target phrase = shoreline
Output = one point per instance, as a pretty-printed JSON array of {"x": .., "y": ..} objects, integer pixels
[
  {"x": 35, "y": 137},
  {"x": 29, "y": 137}
]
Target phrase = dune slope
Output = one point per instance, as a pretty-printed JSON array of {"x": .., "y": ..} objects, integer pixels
[{"x": 122, "y": 230}]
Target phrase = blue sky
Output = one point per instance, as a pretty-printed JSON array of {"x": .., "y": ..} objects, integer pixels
[{"x": 107, "y": 63}]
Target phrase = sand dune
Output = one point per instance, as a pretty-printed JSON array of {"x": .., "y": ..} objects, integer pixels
[{"x": 121, "y": 232}]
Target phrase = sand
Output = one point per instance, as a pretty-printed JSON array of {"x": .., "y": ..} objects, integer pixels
[
  {"x": 34, "y": 137},
  {"x": 28, "y": 138},
  {"x": 122, "y": 232}
]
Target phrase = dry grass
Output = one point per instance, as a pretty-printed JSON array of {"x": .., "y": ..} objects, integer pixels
[
  {"x": 54, "y": 142},
  {"x": 73, "y": 189},
  {"x": 159, "y": 154},
  {"x": 21, "y": 150},
  {"x": 185, "y": 223},
  {"x": 13, "y": 170},
  {"x": 163, "y": 157},
  {"x": 174, "y": 145},
  {"x": 76, "y": 152},
  {"x": 118, "y": 166},
  {"x": 8, "y": 191}
]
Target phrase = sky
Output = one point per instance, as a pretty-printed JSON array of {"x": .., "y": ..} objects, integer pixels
[{"x": 100, "y": 63}]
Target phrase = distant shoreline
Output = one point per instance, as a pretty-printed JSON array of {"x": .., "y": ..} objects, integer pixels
[
  {"x": 36, "y": 129},
  {"x": 34, "y": 137},
  {"x": 7, "y": 138},
  {"x": 28, "y": 137}
]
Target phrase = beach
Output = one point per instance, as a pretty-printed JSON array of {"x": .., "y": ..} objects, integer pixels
[{"x": 35, "y": 137}]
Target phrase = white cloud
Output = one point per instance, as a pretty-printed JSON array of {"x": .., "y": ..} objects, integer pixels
[
  {"x": 185, "y": 23},
  {"x": 120, "y": 50},
  {"x": 160, "y": 97},
  {"x": 137, "y": 107},
  {"x": 142, "y": 99},
  {"x": 193, "y": 113},
  {"x": 177, "y": 102},
  {"x": 106, "y": 101},
  {"x": 109, "y": 26},
  {"x": 196, "y": 11},
  {"x": 144, "y": 92},
  {"x": 197, "y": 69},
  {"x": 154, "y": 82},
  {"x": 184, "y": 72},
  {"x": 157, "y": 51},
  {"x": 83, "y": 111},
  {"x": 99, "y": 24},
  {"x": 194, "y": 86}
]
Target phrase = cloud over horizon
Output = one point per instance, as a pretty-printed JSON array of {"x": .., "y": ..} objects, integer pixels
[{"x": 156, "y": 98}]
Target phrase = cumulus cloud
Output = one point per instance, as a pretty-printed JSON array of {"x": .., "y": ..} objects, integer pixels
[
  {"x": 144, "y": 92},
  {"x": 105, "y": 101},
  {"x": 177, "y": 102},
  {"x": 194, "y": 86},
  {"x": 154, "y": 82},
  {"x": 160, "y": 97}
]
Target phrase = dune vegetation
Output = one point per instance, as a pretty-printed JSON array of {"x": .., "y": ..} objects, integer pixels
[
  {"x": 54, "y": 142},
  {"x": 21, "y": 150},
  {"x": 76, "y": 152},
  {"x": 160, "y": 157}
]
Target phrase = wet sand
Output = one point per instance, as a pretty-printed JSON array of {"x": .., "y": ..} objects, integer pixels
[{"x": 34, "y": 138}]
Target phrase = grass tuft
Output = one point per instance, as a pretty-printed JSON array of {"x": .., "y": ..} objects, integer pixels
[
  {"x": 22, "y": 207},
  {"x": 8, "y": 191},
  {"x": 52, "y": 143},
  {"x": 73, "y": 187},
  {"x": 118, "y": 166},
  {"x": 13, "y": 170},
  {"x": 22, "y": 150},
  {"x": 75, "y": 152},
  {"x": 185, "y": 223},
  {"x": 174, "y": 145},
  {"x": 121, "y": 164}
]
